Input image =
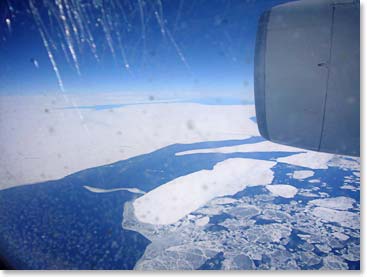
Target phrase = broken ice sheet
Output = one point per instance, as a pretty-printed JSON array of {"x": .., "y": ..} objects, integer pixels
[{"x": 257, "y": 234}]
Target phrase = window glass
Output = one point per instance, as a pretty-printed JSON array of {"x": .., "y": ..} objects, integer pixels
[{"x": 129, "y": 140}]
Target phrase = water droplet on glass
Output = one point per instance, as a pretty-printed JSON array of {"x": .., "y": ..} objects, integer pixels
[{"x": 35, "y": 63}]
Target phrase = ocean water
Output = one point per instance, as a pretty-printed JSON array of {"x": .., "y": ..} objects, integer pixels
[
  {"x": 211, "y": 101},
  {"x": 61, "y": 225}
]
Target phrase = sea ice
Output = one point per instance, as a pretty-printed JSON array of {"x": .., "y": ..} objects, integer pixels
[
  {"x": 334, "y": 262},
  {"x": 179, "y": 197},
  {"x": 302, "y": 174},
  {"x": 99, "y": 190},
  {"x": 50, "y": 142},
  {"x": 202, "y": 221},
  {"x": 346, "y": 162},
  {"x": 222, "y": 201},
  {"x": 285, "y": 191},
  {"x": 338, "y": 203},
  {"x": 265, "y": 146},
  {"x": 340, "y": 236},
  {"x": 310, "y": 159},
  {"x": 184, "y": 245},
  {"x": 349, "y": 187},
  {"x": 356, "y": 174},
  {"x": 344, "y": 218}
]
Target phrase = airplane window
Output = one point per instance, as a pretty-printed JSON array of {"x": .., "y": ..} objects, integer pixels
[{"x": 146, "y": 135}]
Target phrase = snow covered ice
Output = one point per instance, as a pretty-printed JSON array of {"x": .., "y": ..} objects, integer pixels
[{"x": 199, "y": 184}]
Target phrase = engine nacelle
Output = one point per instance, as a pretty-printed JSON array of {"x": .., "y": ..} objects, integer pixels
[{"x": 307, "y": 75}]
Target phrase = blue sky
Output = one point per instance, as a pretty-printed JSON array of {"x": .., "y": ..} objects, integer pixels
[{"x": 202, "y": 47}]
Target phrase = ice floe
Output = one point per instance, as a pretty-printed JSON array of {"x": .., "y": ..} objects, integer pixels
[
  {"x": 338, "y": 203},
  {"x": 266, "y": 146},
  {"x": 99, "y": 190},
  {"x": 302, "y": 174},
  {"x": 177, "y": 198},
  {"x": 346, "y": 162},
  {"x": 244, "y": 211},
  {"x": 202, "y": 221},
  {"x": 340, "y": 236},
  {"x": 285, "y": 191},
  {"x": 223, "y": 201},
  {"x": 238, "y": 262},
  {"x": 313, "y": 160},
  {"x": 334, "y": 262},
  {"x": 357, "y": 174},
  {"x": 349, "y": 187},
  {"x": 352, "y": 253},
  {"x": 275, "y": 215},
  {"x": 307, "y": 193},
  {"x": 308, "y": 159},
  {"x": 344, "y": 218}
]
